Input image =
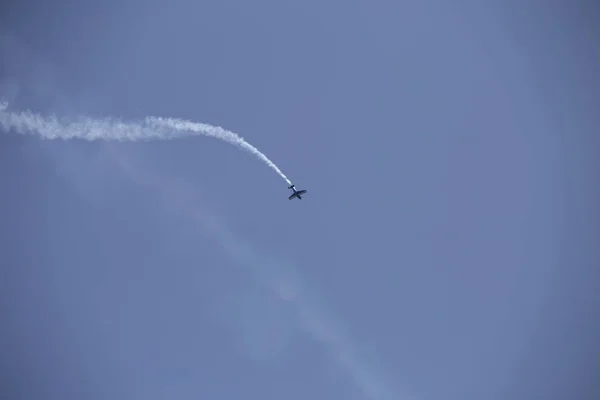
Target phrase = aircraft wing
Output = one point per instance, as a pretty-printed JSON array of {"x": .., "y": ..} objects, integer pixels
[
  {"x": 301, "y": 192},
  {"x": 292, "y": 196}
]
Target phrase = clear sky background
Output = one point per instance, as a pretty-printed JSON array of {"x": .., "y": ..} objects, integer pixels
[{"x": 447, "y": 248}]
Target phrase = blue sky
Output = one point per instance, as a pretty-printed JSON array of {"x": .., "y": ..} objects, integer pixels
[{"x": 445, "y": 250}]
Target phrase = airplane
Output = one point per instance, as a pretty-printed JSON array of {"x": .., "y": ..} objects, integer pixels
[{"x": 297, "y": 193}]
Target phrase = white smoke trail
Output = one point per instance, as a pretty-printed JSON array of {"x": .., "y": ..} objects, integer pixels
[
  {"x": 111, "y": 129},
  {"x": 214, "y": 131},
  {"x": 277, "y": 273}
]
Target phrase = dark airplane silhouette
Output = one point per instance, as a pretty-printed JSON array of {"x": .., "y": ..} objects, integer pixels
[{"x": 297, "y": 193}]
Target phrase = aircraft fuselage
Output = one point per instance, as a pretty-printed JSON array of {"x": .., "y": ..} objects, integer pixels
[{"x": 297, "y": 193}]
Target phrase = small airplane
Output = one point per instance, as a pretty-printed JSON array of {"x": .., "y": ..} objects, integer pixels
[{"x": 297, "y": 193}]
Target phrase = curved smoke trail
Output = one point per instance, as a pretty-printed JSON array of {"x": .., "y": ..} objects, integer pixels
[{"x": 112, "y": 129}]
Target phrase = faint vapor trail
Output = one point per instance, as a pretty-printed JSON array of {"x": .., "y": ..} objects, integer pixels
[
  {"x": 278, "y": 274},
  {"x": 112, "y": 129}
]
